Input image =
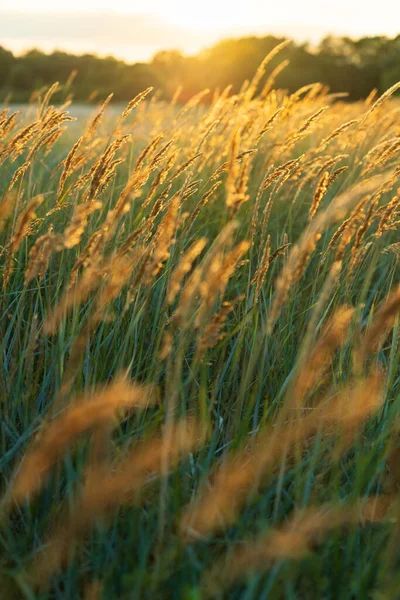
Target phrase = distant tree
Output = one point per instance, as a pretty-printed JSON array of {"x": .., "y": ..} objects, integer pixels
[
  {"x": 389, "y": 77},
  {"x": 6, "y": 64},
  {"x": 170, "y": 67},
  {"x": 344, "y": 64},
  {"x": 134, "y": 79}
]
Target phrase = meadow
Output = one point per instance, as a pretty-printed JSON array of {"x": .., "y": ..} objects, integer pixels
[{"x": 199, "y": 384}]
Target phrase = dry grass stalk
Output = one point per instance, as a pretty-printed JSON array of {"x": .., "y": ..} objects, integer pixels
[
  {"x": 189, "y": 294},
  {"x": 133, "y": 238},
  {"x": 69, "y": 165},
  {"x": 104, "y": 490},
  {"x": 268, "y": 125},
  {"x": 336, "y": 132},
  {"x": 290, "y": 173},
  {"x": 226, "y": 165},
  {"x": 47, "y": 139},
  {"x": 269, "y": 84},
  {"x": 104, "y": 169},
  {"x": 192, "y": 103},
  {"x": 361, "y": 232},
  {"x": 135, "y": 182},
  {"x": 160, "y": 155},
  {"x": 330, "y": 162},
  {"x": 320, "y": 192},
  {"x": 233, "y": 169},
  {"x": 375, "y": 152},
  {"x": 386, "y": 221},
  {"x": 86, "y": 413},
  {"x": 301, "y": 252},
  {"x": 303, "y": 90},
  {"x": 189, "y": 187},
  {"x": 371, "y": 97},
  {"x": 187, "y": 192},
  {"x": 7, "y": 207},
  {"x": 7, "y": 124},
  {"x": 176, "y": 95},
  {"x": 345, "y": 231},
  {"x": 355, "y": 403},
  {"x": 261, "y": 272},
  {"x": 212, "y": 331},
  {"x": 45, "y": 103},
  {"x": 72, "y": 298},
  {"x": 240, "y": 475},
  {"x": 320, "y": 357},
  {"x": 73, "y": 233},
  {"x": 95, "y": 122},
  {"x": 16, "y": 146},
  {"x": 282, "y": 170},
  {"x": 86, "y": 258},
  {"x": 53, "y": 118},
  {"x": 143, "y": 259},
  {"x": 135, "y": 102},
  {"x": 186, "y": 165},
  {"x": 210, "y": 127},
  {"x": 53, "y": 139},
  {"x": 116, "y": 273},
  {"x": 190, "y": 291},
  {"x": 256, "y": 212},
  {"x": 393, "y": 249},
  {"x": 166, "y": 347},
  {"x": 202, "y": 202},
  {"x": 305, "y": 128},
  {"x": 255, "y": 82},
  {"x": 147, "y": 151},
  {"x": 22, "y": 230},
  {"x": 93, "y": 590},
  {"x": 184, "y": 267},
  {"x": 378, "y": 103},
  {"x": 266, "y": 260},
  {"x": 216, "y": 278},
  {"x": 237, "y": 189},
  {"x": 291, "y": 273},
  {"x": 381, "y": 154},
  {"x": 40, "y": 253},
  {"x": 336, "y": 173},
  {"x": 377, "y": 331},
  {"x": 19, "y": 173},
  {"x": 160, "y": 178},
  {"x": 102, "y": 236},
  {"x": 165, "y": 239},
  {"x": 294, "y": 540}
]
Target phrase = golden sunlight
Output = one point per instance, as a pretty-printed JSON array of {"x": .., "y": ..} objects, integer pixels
[{"x": 207, "y": 15}]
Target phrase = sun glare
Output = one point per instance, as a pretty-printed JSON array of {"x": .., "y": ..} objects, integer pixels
[{"x": 207, "y": 15}]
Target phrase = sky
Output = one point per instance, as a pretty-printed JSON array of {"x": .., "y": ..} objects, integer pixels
[{"x": 136, "y": 29}]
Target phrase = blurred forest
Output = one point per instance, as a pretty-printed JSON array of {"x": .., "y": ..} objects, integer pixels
[{"x": 344, "y": 64}]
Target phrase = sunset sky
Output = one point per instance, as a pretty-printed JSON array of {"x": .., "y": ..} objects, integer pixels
[{"x": 136, "y": 29}]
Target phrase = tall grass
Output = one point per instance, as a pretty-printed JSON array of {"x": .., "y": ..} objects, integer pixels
[{"x": 199, "y": 335}]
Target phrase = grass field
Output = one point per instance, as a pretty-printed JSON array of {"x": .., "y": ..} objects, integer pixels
[{"x": 199, "y": 348}]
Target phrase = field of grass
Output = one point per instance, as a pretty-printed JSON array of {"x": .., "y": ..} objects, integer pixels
[{"x": 199, "y": 384}]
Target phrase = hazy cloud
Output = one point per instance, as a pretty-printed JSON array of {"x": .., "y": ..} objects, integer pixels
[{"x": 134, "y": 36}]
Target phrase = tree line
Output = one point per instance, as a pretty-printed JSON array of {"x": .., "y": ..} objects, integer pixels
[{"x": 344, "y": 64}]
